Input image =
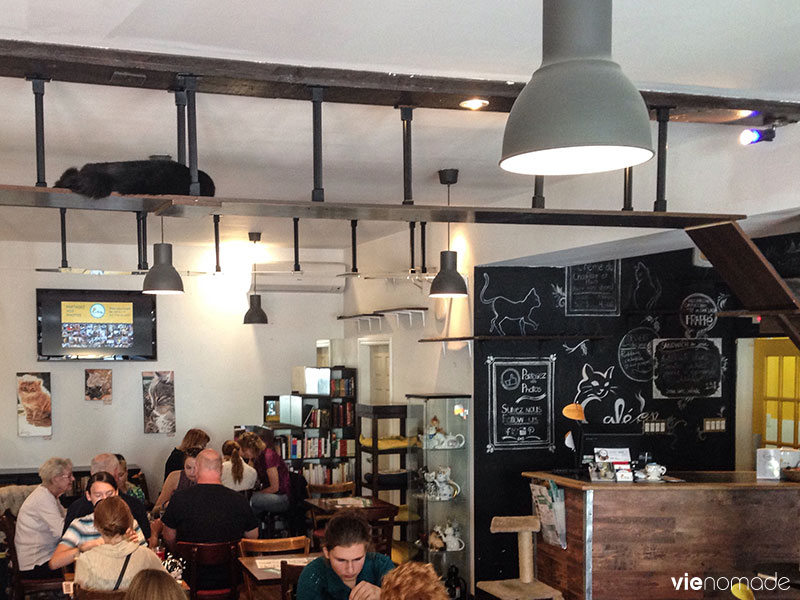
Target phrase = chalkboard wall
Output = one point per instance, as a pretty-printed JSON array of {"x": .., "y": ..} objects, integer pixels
[{"x": 633, "y": 340}]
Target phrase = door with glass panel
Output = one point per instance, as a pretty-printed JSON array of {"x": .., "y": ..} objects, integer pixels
[{"x": 776, "y": 392}]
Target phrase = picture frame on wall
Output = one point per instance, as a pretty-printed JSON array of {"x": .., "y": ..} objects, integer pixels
[
  {"x": 34, "y": 405},
  {"x": 272, "y": 409},
  {"x": 158, "y": 389}
]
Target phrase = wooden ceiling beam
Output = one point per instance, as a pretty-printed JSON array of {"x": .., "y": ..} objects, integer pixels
[{"x": 148, "y": 70}]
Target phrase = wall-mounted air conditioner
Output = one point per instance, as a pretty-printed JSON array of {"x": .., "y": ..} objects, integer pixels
[{"x": 315, "y": 277}]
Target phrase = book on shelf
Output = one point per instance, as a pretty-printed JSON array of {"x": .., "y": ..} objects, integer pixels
[
  {"x": 324, "y": 474},
  {"x": 343, "y": 387}
]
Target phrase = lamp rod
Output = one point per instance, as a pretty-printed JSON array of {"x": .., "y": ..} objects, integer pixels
[
  {"x": 627, "y": 189},
  {"x": 411, "y": 233},
  {"x": 218, "y": 269},
  {"x": 38, "y": 106},
  {"x": 406, "y": 115},
  {"x": 353, "y": 226},
  {"x": 538, "y": 192},
  {"x": 318, "y": 193},
  {"x": 662, "y": 116},
  {"x": 190, "y": 84},
  {"x": 180, "y": 106},
  {"x": 141, "y": 238},
  {"x": 296, "y": 223},
  {"x": 423, "y": 266},
  {"x": 64, "y": 262}
]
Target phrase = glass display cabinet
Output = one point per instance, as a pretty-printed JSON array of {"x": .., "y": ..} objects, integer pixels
[{"x": 439, "y": 481}]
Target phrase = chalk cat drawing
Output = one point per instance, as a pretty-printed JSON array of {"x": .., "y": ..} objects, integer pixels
[
  {"x": 596, "y": 385},
  {"x": 648, "y": 287},
  {"x": 504, "y": 309}
]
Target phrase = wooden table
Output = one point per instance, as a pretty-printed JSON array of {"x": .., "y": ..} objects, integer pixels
[
  {"x": 327, "y": 506},
  {"x": 271, "y": 576}
]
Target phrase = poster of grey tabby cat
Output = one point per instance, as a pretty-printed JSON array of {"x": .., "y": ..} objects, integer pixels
[
  {"x": 158, "y": 389},
  {"x": 34, "y": 405}
]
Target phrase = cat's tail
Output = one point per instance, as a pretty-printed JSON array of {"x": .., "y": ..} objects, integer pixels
[
  {"x": 91, "y": 183},
  {"x": 484, "y": 288}
]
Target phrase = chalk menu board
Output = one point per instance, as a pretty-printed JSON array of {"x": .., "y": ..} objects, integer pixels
[
  {"x": 687, "y": 368},
  {"x": 593, "y": 289},
  {"x": 520, "y": 403}
]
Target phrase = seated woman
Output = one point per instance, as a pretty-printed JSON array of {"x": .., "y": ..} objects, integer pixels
[
  {"x": 178, "y": 480},
  {"x": 236, "y": 474},
  {"x": 153, "y": 584},
  {"x": 113, "y": 564},
  {"x": 125, "y": 486},
  {"x": 41, "y": 520},
  {"x": 346, "y": 571},
  {"x": 194, "y": 438},
  {"x": 272, "y": 473},
  {"x": 413, "y": 581}
]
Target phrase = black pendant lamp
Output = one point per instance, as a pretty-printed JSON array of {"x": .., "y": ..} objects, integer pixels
[
  {"x": 448, "y": 283},
  {"x": 162, "y": 278},
  {"x": 255, "y": 315}
]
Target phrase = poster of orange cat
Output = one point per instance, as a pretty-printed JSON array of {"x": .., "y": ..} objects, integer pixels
[
  {"x": 97, "y": 385},
  {"x": 158, "y": 389},
  {"x": 34, "y": 406}
]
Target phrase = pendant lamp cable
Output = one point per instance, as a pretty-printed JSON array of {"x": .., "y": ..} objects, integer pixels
[
  {"x": 254, "y": 266},
  {"x": 162, "y": 228},
  {"x": 448, "y": 223}
]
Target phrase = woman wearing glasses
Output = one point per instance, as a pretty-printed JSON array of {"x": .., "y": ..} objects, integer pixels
[{"x": 41, "y": 520}]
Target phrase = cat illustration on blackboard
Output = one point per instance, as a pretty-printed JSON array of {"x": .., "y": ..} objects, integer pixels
[
  {"x": 504, "y": 309},
  {"x": 648, "y": 287},
  {"x": 596, "y": 385}
]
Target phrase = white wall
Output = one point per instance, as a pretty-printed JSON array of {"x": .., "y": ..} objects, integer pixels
[{"x": 222, "y": 367}]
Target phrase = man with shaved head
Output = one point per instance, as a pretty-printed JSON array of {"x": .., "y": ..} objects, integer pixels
[
  {"x": 82, "y": 506},
  {"x": 208, "y": 512}
]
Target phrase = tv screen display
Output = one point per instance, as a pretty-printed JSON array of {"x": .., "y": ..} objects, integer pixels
[{"x": 95, "y": 325}]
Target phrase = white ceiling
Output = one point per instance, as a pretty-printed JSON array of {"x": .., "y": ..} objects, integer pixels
[{"x": 256, "y": 148}]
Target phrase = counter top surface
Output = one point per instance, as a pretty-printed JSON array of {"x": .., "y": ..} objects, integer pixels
[{"x": 579, "y": 479}]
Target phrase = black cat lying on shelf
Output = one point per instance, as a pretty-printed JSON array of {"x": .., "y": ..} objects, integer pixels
[{"x": 152, "y": 177}]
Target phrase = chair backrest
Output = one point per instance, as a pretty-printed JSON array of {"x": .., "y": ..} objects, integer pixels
[
  {"x": 381, "y": 523},
  {"x": 290, "y": 575},
  {"x": 274, "y": 546},
  {"x": 331, "y": 490},
  {"x": 199, "y": 556},
  {"x": 8, "y": 525},
  {"x": 79, "y": 593}
]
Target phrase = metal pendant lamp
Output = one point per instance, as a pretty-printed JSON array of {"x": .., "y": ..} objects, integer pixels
[
  {"x": 579, "y": 113},
  {"x": 448, "y": 283},
  {"x": 162, "y": 278},
  {"x": 255, "y": 315}
]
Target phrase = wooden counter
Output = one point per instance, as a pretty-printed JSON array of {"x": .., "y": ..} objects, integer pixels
[{"x": 626, "y": 541}]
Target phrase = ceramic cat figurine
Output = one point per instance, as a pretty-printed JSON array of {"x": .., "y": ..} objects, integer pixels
[{"x": 151, "y": 177}]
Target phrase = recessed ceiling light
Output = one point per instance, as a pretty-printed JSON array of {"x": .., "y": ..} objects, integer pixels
[{"x": 474, "y": 103}]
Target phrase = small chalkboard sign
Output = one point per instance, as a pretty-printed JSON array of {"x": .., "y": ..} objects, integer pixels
[
  {"x": 687, "y": 368},
  {"x": 520, "y": 403},
  {"x": 593, "y": 289}
]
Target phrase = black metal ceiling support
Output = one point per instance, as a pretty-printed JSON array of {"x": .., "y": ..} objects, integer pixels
[
  {"x": 296, "y": 222},
  {"x": 423, "y": 266},
  {"x": 406, "y": 114},
  {"x": 538, "y": 192},
  {"x": 662, "y": 116},
  {"x": 627, "y": 189},
  {"x": 218, "y": 269},
  {"x": 38, "y": 107},
  {"x": 190, "y": 85},
  {"x": 141, "y": 238},
  {"x": 354, "y": 251},
  {"x": 64, "y": 263},
  {"x": 180, "y": 105},
  {"x": 318, "y": 193},
  {"x": 411, "y": 233}
]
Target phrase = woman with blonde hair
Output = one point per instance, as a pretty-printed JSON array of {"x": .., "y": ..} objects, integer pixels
[
  {"x": 413, "y": 581},
  {"x": 272, "y": 473},
  {"x": 151, "y": 584},
  {"x": 194, "y": 438},
  {"x": 113, "y": 564},
  {"x": 236, "y": 474}
]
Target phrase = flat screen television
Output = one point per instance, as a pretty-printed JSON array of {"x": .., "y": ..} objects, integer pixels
[{"x": 95, "y": 325}]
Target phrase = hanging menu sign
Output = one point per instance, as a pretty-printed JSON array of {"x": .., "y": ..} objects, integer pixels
[
  {"x": 685, "y": 368},
  {"x": 593, "y": 289},
  {"x": 520, "y": 403}
]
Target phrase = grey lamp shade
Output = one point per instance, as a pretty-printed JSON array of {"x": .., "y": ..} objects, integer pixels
[
  {"x": 162, "y": 278},
  {"x": 579, "y": 113},
  {"x": 448, "y": 283},
  {"x": 255, "y": 314}
]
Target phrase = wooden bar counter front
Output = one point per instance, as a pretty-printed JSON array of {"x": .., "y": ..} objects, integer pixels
[{"x": 629, "y": 541}]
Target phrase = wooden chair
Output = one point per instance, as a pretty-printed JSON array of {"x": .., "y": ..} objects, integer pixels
[
  {"x": 381, "y": 523},
  {"x": 326, "y": 490},
  {"x": 201, "y": 556},
  {"x": 273, "y": 546},
  {"x": 21, "y": 587},
  {"x": 290, "y": 575},
  {"x": 79, "y": 593}
]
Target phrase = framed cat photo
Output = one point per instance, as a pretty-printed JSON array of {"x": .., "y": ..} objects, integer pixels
[
  {"x": 272, "y": 409},
  {"x": 97, "y": 385},
  {"x": 34, "y": 405},
  {"x": 158, "y": 394}
]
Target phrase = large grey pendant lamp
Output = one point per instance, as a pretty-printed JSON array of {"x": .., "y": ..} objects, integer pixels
[
  {"x": 255, "y": 315},
  {"x": 162, "y": 278},
  {"x": 448, "y": 283},
  {"x": 579, "y": 113}
]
